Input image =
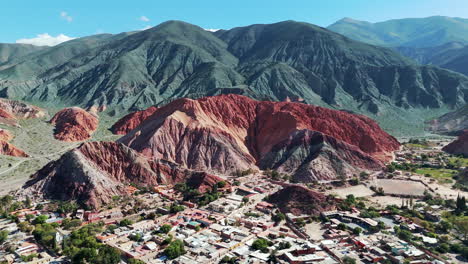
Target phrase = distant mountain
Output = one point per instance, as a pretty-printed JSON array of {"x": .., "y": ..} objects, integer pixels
[
  {"x": 452, "y": 56},
  {"x": 453, "y": 123},
  {"x": 11, "y": 51},
  {"x": 283, "y": 61},
  {"x": 410, "y": 32}
]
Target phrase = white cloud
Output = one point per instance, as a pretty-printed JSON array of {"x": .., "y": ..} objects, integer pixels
[
  {"x": 45, "y": 40},
  {"x": 65, "y": 16},
  {"x": 211, "y": 29},
  {"x": 144, "y": 19}
]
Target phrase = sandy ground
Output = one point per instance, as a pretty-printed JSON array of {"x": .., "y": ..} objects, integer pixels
[
  {"x": 400, "y": 187},
  {"x": 357, "y": 191},
  {"x": 385, "y": 200},
  {"x": 314, "y": 231}
]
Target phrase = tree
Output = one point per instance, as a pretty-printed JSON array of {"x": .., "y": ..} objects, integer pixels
[
  {"x": 175, "y": 249},
  {"x": 341, "y": 226},
  {"x": 165, "y": 228},
  {"x": 245, "y": 199},
  {"x": 262, "y": 245},
  {"x": 175, "y": 208},
  {"x": 460, "y": 204},
  {"x": 125, "y": 222},
  {"x": 221, "y": 184},
  {"x": 357, "y": 230},
  {"x": 278, "y": 217},
  {"x": 108, "y": 255},
  {"x": 348, "y": 260},
  {"x": 461, "y": 225},
  {"x": 3, "y": 236},
  {"x": 41, "y": 219},
  {"x": 135, "y": 261}
]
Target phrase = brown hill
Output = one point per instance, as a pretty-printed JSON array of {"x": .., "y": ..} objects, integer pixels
[
  {"x": 96, "y": 171},
  {"x": 11, "y": 110},
  {"x": 299, "y": 200},
  {"x": 131, "y": 121},
  {"x": 224, "y": 133},
  {"x": 458, "y": 146},
  {"x": 74, "y": 124},
  {"x": 7, "y": 148}
]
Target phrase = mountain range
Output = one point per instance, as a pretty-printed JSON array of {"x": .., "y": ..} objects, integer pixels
[
  {"x": 438, "y": 40},
  {"x": 409, "y": 32},
  {"x": 285, "y": 61}
]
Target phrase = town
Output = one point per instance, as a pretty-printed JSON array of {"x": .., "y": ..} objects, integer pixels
[{"x": 411, "y": 212}]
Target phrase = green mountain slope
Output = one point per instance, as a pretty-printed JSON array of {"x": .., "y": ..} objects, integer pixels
[
  {"x": 282, "y": 61},
  {"x": 9, "y": 52},
  {"x": 452, "y": 56},
  {"x": 413, "y": 32}
]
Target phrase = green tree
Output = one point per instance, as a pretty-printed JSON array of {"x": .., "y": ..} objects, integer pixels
[
  {"x": 41, "y": 219},
  {"x": 348, "y": 260},
  {"x": 165, "y": 228},
  {"x": 278, "y": 217},
  {"x": 125, "y": 222},
  {"x": 262, "y": 245},
  {"x": 175, "y": 249},
  {"x": 135, "y": 261},
  {"x": 357, "y": 230},
  {"x": 3, "y": 236}
]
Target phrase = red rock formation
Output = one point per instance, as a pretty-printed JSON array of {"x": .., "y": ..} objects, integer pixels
[
  {"x": 10, "y": 150},
  {"x": 228, "y": 132},
  {"x": 205, "y": 182},
  {"x": 5, "y": 135},
  {"x": 458, "y": 146},
  {"x": 11, "y": 110},
  {"x": 300, "y": 200},
  {"x": 132, "y": 120},
  {"x": 7, "y": 148},
  {"x": 74, "y": 124},
  {"x": 96, "y": 171}
]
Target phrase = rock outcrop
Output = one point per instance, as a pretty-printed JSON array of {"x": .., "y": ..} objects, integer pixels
[
  {"x": 453, "y": 123},
  {"x": 204, "y": 182},
  {"x": 132, "y": 120},
  {"x": 224, "y": 133},
  {"x": 74, "y": 124},
  {"x": 11, "y": 111},
  {"x": 300, "y": 200},
  {"x": 458, "y": 146},
  {"x": 5, "y": 135},
  {"x": 94, "y": 172},
  {"x": 7, "y": 148}
]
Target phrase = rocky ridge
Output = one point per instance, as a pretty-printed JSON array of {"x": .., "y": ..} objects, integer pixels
[{"x": 74, "y": 124}]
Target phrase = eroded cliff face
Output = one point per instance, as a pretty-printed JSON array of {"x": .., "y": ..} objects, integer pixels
[
  {"x": 11, "y": 111},
  {"x": 224, "y": 133},
  {"x": 7, "y": 148},
  {"x": 74, "y": 124},
  {"x": 458, "y": 146},
  {"x": 96, "y": 171},
  {"x": 300, "y": 200},
  {"x": 132, "y": 120}
]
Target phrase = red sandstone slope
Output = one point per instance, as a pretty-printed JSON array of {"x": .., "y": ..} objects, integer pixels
[
  {"x": 299, "y": 200},
  {"x": 96, "y": 171},
  {"x": 229, "y": 132},
  {"x": 11, "y": 110},
  {"x": 5, "y": 135},
  {"x": 132, "y": 120},
  {"x": 74, "y": 124},
  {"x": 7, "y": 148},
  {"x": 458, "y": 146},
  {"x": 204, "y": 182}
]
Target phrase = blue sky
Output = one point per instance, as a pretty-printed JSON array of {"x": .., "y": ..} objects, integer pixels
[{"x": 22, "y": 19}]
